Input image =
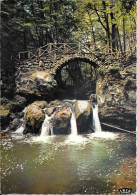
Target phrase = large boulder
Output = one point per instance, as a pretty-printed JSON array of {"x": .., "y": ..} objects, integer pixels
[
  {"x": 62, "y": 121},
  {"x": 116, "y": 97},
  {"x": 9, "y": 108},
  {"x": 34, "y": 116},
  {"x": 83, "y": 114},
  {"x": 17, "y": 104},
  {"x": 36, "y": 83},
  {"x": 15, "y": 124}
]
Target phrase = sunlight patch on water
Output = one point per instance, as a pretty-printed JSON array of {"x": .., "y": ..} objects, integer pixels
[
  {"x": 76, "y": 139},
  {"x": 104, "y": 135}
]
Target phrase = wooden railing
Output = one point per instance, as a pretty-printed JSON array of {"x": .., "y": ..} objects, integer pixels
[
  {"x": 53, "y": 51},
  {"x": 58, "y": 49}
]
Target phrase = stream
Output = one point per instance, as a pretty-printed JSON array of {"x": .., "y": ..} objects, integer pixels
[{"x": 95, "y": 163}]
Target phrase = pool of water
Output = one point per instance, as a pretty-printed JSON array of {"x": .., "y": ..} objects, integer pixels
[{"x": 94, "y": 163}]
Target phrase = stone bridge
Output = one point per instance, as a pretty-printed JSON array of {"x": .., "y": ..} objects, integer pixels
[
  {"x": 37, "y": 69},
  {"x": 54, "y": 56}
]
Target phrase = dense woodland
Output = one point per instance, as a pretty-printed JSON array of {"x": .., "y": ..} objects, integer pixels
[{"x": 107, "y": 25}]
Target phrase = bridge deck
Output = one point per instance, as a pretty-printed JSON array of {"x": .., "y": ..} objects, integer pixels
[{"x": 54, "y": 54}]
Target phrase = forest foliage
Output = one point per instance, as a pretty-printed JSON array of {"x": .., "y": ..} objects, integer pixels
[{"x": 28, "y": 24}]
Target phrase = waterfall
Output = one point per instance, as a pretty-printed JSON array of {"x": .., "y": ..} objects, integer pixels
[
  {"x": 21, "y": 128},
  {"x": 96, "y": 121},
  {"x": 47, "y": 126},
  {"x": 74, "y": 130}
]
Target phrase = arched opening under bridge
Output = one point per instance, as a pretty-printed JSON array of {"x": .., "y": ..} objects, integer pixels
[{"x": 76, "y": 79}]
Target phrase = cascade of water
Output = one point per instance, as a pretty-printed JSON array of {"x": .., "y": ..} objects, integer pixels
[
  {"x": 96, "y": 121},
  {"x": 47, "y": 126},
  {"x": 21, "y": 127},
  {"x": 74, "y": 130}
]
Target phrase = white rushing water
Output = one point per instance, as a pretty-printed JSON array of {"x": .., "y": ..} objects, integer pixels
[
  {"x": 96, "y": 121},
  {"x": 74, "y": 130},
  {"x": 47, "y": 126},
  {"x": 21, "y": 128}
]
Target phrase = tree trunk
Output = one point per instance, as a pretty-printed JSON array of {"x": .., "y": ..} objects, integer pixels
[
  {"x": 107, "y": 25},
  {"x": 124, "y": 38},
  {"x": 120, "y": 45},
  {"x": 25, "y": 42},
  {"x": 114, "y": 31},
  {"x": 93, "y": 33}
]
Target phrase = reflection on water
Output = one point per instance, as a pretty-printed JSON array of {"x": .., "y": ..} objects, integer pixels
[{"x": 83, "y": 164}]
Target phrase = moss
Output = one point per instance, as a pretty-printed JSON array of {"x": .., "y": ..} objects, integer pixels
[
  {"x": 4, "y": 111},
  {"x": 114, "y": 69},
  {"x": 101, "y": 71},
  {"x": 12, "y": 106},
  {"x": 34, "y": 116},
  {"x": 4, "y": 101},
  {"x": 40, "y": 104},
  {"x": 34, "y": 76}
]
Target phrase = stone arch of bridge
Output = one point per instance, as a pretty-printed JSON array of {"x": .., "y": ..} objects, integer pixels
[
  {"x": 82, "y": 88},
  {"x": 67, "y": 61}
]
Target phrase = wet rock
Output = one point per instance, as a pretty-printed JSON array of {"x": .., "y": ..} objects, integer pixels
[
  {"x": 5, "y": 116},
  {"x": 116, "y": 98},
  {"x": 40, "y": 104},
  {"x": 50, "y": 110},
  {"x": 20, "y": 99},
  {"x": 34, "y": 117},
  {"x": 62, "y": 121},
  {"x": 93, "y": 98},
  {"x": 83, "y": 114},
  {"x": 37, "y": 83},
  {"x": 17, "y": 104},
  {"x": 14, "y": 124},
  {"x": 12, "y": 116}
]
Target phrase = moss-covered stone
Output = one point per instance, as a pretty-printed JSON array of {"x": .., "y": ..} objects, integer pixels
[
  {"x": 50, "y": 110},
  {"x": 34, "y": 116},
  {"x": 16, "y": 104},
  {"x": 40, "y": 104},
  {"x": 62, "y": 121}
]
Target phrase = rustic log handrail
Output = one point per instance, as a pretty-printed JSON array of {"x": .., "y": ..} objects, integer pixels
[{"x": 54, "y": 51}]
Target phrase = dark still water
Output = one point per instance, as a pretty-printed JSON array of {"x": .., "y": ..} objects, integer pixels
[{"x": 95, "y": 163}]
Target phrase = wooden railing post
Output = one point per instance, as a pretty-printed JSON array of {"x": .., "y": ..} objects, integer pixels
[
  {"x": 39, "y": 52},
  {"x": 64, "y": 48},
  {"x": 28, "y": 54},
  {"x": 50, "y": 47}
]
